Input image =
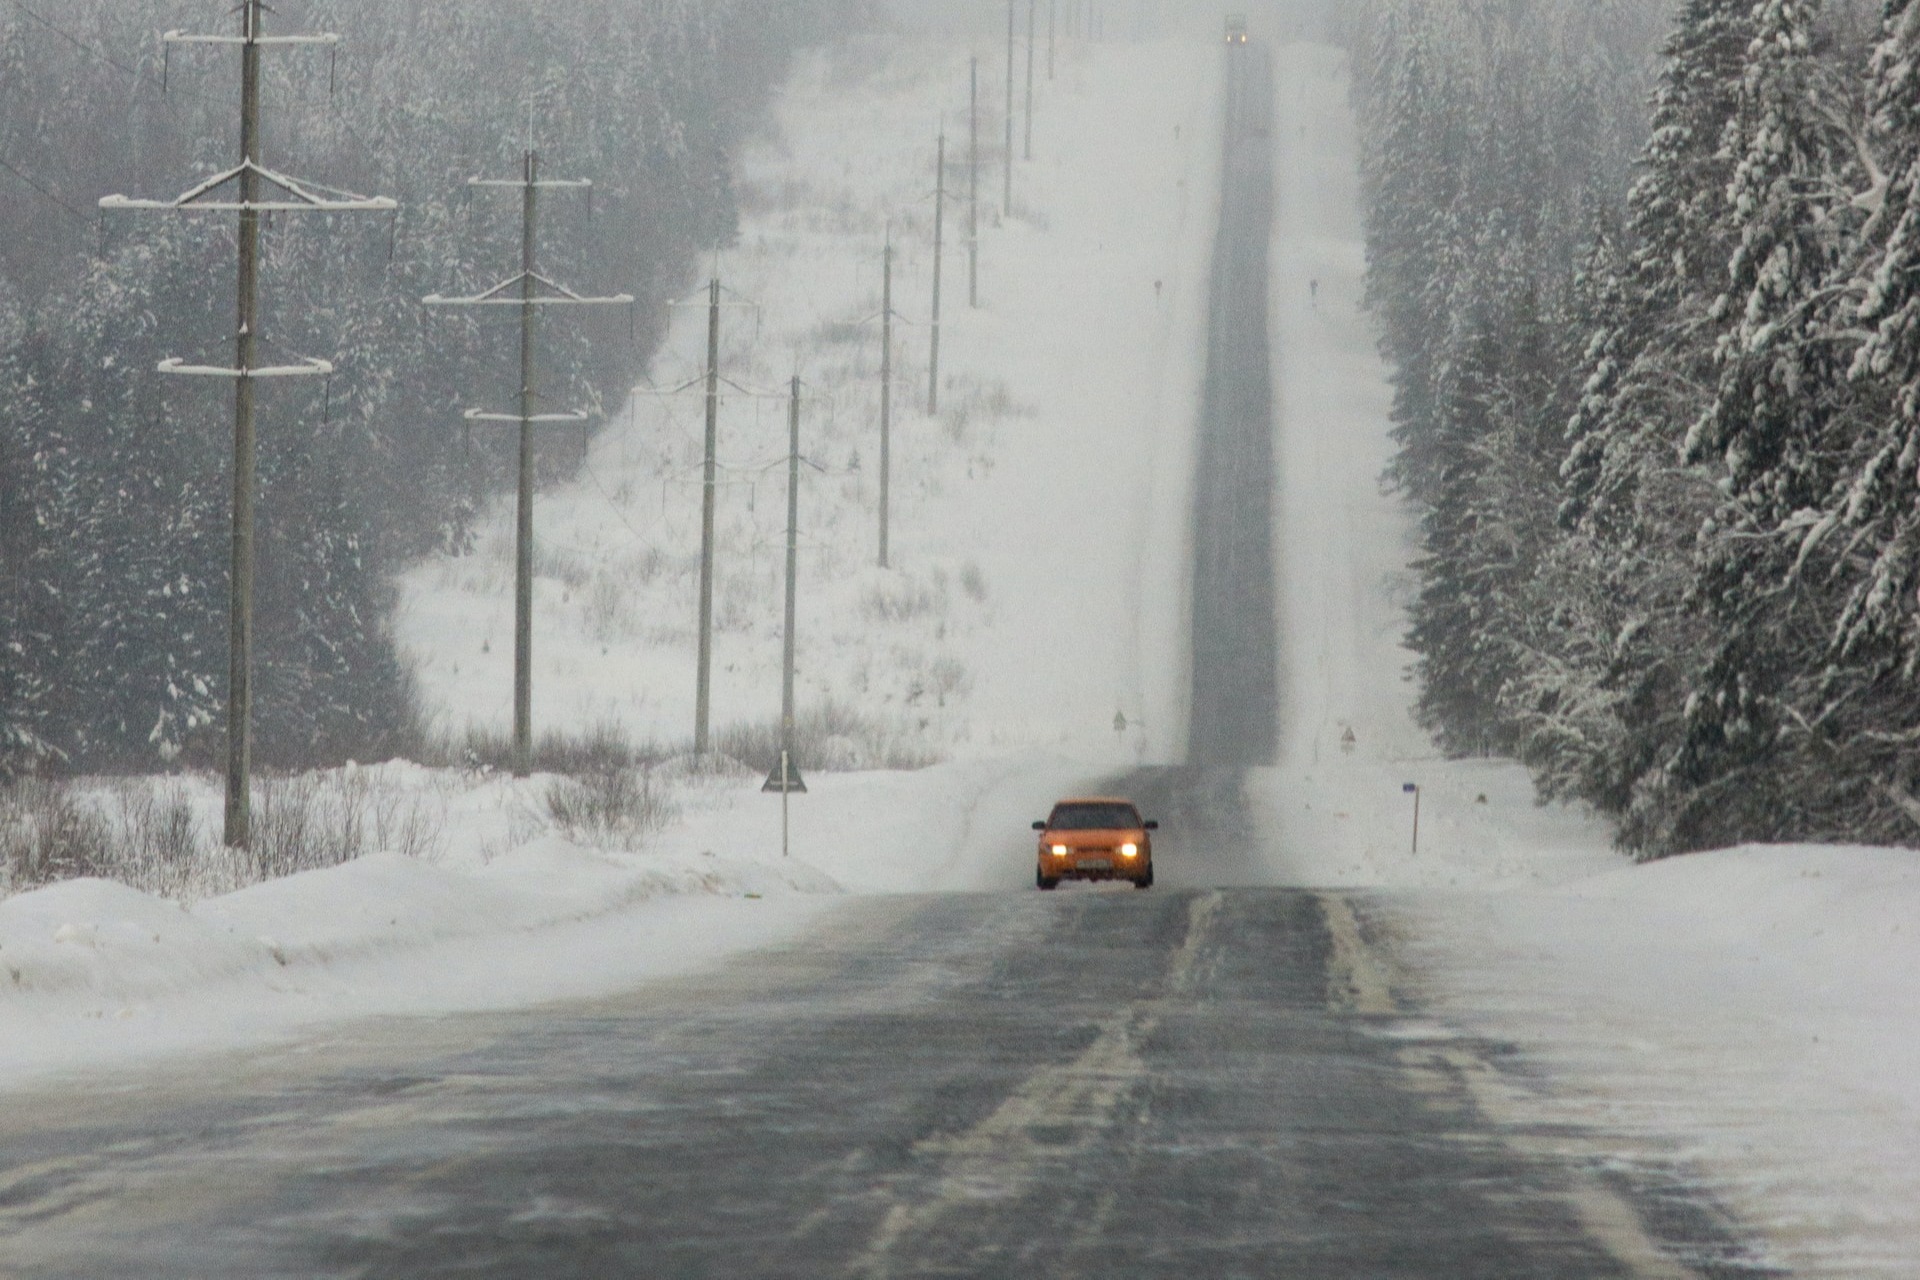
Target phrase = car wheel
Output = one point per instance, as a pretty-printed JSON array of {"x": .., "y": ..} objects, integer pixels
[
  {"x": 1044, "y": 881},
  {"x": 1145, "y": 881}
]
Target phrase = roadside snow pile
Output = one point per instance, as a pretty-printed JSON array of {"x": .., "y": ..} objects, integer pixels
[
  {"x": 1748, "y": 1014},
  {"x": 107, "y": 942},
  {"x": 96, "y": 972},
  {"x": 509, "y": 911}
]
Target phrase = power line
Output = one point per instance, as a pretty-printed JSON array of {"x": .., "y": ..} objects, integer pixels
[
  {"x": 166, "y": 92},
  {"x": 80, "y": 44},
  {"x": 88, "y": 219}
]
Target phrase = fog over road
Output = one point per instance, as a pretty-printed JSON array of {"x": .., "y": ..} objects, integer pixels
[{"x": 1216, "y": 1078}]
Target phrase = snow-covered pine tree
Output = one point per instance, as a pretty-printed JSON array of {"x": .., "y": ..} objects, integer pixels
[
  {"x": 1650, "y": 358},
  {"x": 1489, "y": 515},
  {"x": 1883, "y": 493},
  {"x": 1608, "y": 692},
  {"x": 1416, "y": 224},
  {"x": 135, "y": 517},
  {"x": 1788, "y": 191},
  {"x": 26, "y": 594},
  {"x": 1770, "y": 426},
  {"x": 1862, "y": 709}
]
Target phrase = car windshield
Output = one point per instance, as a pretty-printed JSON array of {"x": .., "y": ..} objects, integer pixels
[{"x": 1094, "y": 817}]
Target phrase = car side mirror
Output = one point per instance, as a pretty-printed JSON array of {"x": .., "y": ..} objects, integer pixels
[
  {"x": 1039, "y": 826},
  {"x": 1151, "y": 826}
]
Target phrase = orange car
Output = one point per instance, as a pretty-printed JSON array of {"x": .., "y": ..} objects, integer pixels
[{"x": 1095, "y": 839}]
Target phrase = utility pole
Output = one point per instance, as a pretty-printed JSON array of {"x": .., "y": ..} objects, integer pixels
[
  {"x": 1053, "y": 27},
  {"x": 1032, "y": 14},
  {"x": 703, "y": 689},
  {"x": 1009, "y": 157},
  {"x": 529, "y": 291},
  {"x": 710, "y": 380},
  {"x": 973, "y": 189},
  {"x": 789, "y": 771},
  {"x": 793, "y": 567},
  {"x": 289, "y": 195},
  {"x": 886, "y": 392},
  {"x": 939, "y": 246}
]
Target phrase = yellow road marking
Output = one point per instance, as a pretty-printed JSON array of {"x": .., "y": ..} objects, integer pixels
[
  {"x": 1003, "y": 1155},
  {"x": 1358, "y": 980}
]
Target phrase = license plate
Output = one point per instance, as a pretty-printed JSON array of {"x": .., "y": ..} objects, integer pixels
[{"x": 1094, "y": 864}]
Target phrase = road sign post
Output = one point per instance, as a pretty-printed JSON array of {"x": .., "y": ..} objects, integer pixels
[
  {"x": 1413, "y": 789},
  {"x": 786, "y": 780}
]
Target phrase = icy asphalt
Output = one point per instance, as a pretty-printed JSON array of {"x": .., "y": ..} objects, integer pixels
[{"x": 1216, "y": 1078}]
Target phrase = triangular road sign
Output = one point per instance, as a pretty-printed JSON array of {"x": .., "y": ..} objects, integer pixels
[{"x": 791, "y": 784}]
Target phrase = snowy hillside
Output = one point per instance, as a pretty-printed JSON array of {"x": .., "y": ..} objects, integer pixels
[{"x": 1037, "y": 518}]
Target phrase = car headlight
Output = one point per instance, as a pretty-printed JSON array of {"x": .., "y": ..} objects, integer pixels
[
  {"x": 1129, "y": 850},
  {"x": 1059, "y": 851}
]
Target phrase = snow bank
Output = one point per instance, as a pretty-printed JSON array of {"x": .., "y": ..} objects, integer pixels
[{"x": 1749, "y": 1014}]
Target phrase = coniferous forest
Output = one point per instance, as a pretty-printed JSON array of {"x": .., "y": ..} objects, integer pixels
[
  {"x": 114, "y": 481},
  {"x": 1650, "y": 279}
]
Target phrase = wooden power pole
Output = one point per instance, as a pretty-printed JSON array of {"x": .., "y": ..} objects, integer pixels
[
  {"x": 529, "y": 291},
  {"x": 703, "y": 675},
  {"x": 1032, "y": 16},
  {"x": 254, "y": 190},
  {"x": 939, "y": 255},
  {"x": 973, "y": 188},
  {"x": 886, "y": 392},
  {"x": 785, "y": 777},
  {"x": 1008, "y": 211}
]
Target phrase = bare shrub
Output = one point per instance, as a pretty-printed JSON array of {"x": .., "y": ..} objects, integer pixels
[
  {"x": 839, "y": 333},
  {"x": 49, "y": 834},
  {"x": 971, "y": 402},
  {"x": 948, "y": 676},
  {"x": 741, "y": 605},
  {"x": 956, "y": 421},
  {"x": 287, "y": 836},
  {"x": 596, "y": 749},
  {"x": 609, "y": 614},
  {"x": 643, "y": 568},
  {"x": 563, "y": 563},
  {"x": 163, "y": 849},
  {"x": 973, "y": 582},
  {"x": 1038, "y": 219},
  {"x": 309, "y": 822},
  {"x": 148, "y": 834},
  {"x": 902, "y": 601},
  {"x": 830, "y": 737},
  {"x": 614, "y": 808}
]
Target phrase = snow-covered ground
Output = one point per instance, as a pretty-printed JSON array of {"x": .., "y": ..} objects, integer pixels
[{"x": 1749, "y": 1014}]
